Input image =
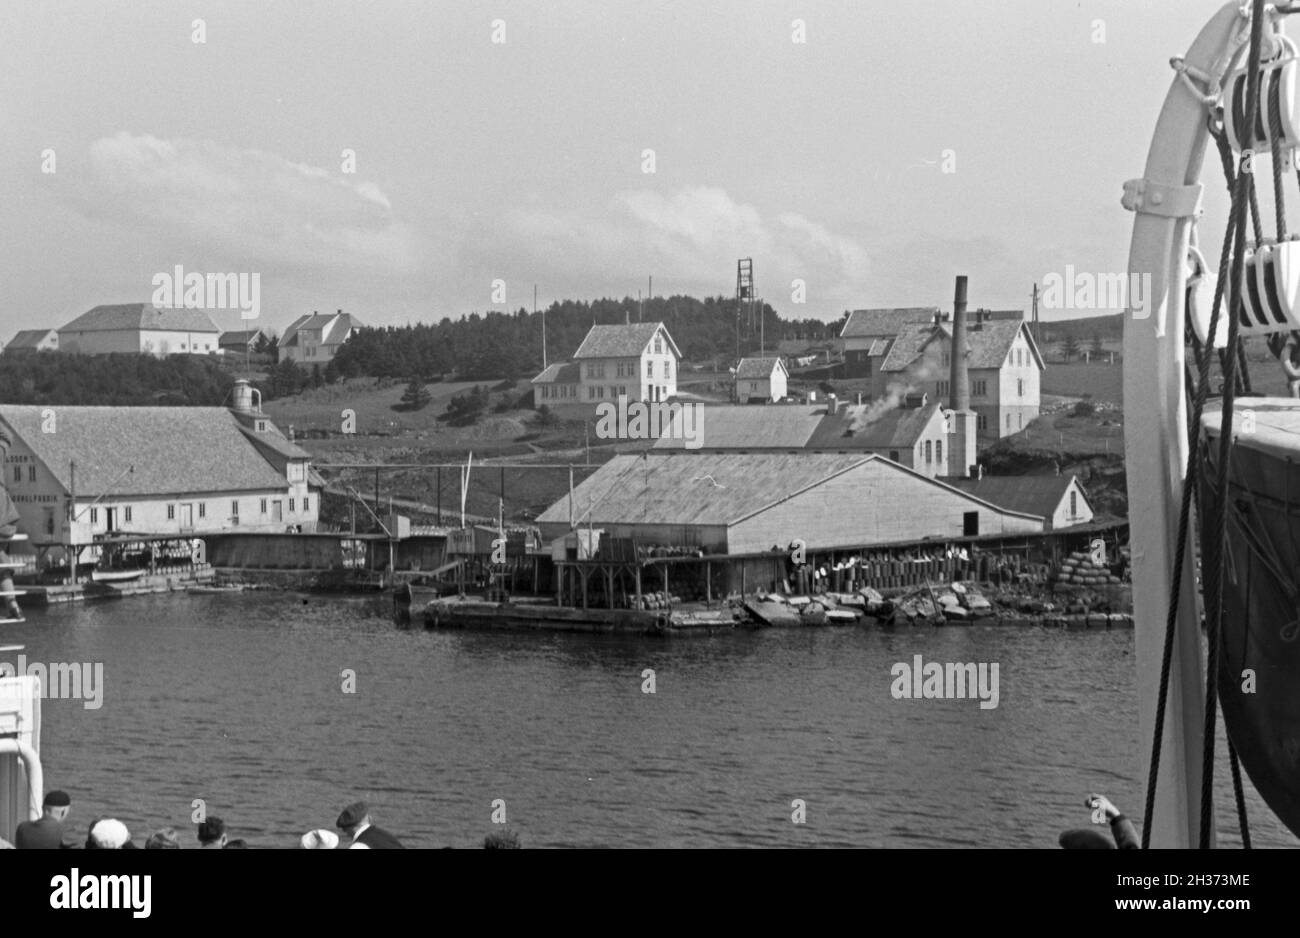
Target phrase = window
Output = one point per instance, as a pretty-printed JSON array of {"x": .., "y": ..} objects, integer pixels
[
  {"x": 970, "y": 524},
  {"x": 203, "y": 509},
  {"x": 18, "y": 473},
  {"x": 126, "y": 513},
  {"x": 982, "y": 422},
  {"x": 291, "y": 505},
  {"x": 649, "y": 369},
  {"x": 264, "y": 506},
  {"x": 668, "y": 368},
  {"x": 234, "y": 510},
  {"x": 171, "y": 512},
  {"x": 893, "y": 454},
  {"x": 1074, "y": 505},
  {"x": 31, "y": 473},
  {"x": 938, "y": 451},
  {"x": 94, "y": 516},
  {"x": 1020, "y": 387},
  {"x": 306, "y": 505},
  {"x": 659, "y": 345},
  {"x": 928, "y": 452},
  {"x": 1008, "y": 421},
  {"x": 941, "y": 388},
  {"x": 591, "y": 392},
  {"x": 979, "y": 388}
]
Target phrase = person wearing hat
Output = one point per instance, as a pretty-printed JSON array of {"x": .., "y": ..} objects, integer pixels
[
  {"x": 320, "y": 839},
  {"x": 109, "y": 834},
  {"x": 212, "y": 833},
  {"x": 45, "y": 833},
  {"x": 355, "y": 824},
  {"x": 163, "y": 839}
]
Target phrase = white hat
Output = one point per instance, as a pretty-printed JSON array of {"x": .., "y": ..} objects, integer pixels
[
  {"x": 320, "y": 839},
  {"x": 109, "y": 834}
]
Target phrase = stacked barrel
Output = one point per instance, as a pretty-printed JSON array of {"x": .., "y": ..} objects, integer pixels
[{"x": 1078, "y": 570}]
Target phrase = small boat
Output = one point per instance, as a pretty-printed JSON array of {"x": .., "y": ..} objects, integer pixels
[
  {"x": 481, "y": 614},
  {"x": 116, "y": 576},
  {"x": 772, "y": 613},
  {"x": 842, "y": 617}
]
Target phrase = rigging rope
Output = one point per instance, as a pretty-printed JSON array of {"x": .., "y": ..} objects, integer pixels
[{"x": 1241, "y": 183}]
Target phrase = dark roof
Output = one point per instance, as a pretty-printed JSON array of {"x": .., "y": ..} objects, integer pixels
[
  {"x": 29, "y": 338},
  {"x": 886, "y": 322},
  {"x": 757, "y": 367},
  {"x": 238, "y": 338},
  {"x": 987, "y": 343},
  {"x": 1035, "y": 495},
  {"x": 172, "y": 450},
  {"x": 137, "y": 316},
  {"x": 560, "y": 373},
  {"x": 893, "y": 428},
  {"x": 625, "y": 341},
  {"x": 335, "y": 328}
]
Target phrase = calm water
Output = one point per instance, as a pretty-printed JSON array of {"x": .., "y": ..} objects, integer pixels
[{"x": 237, "y": 700}]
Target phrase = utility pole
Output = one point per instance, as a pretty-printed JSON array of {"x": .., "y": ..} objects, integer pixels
[
  {"x": 1034, "y": 316},
  {"x": 543, "y": 327}
]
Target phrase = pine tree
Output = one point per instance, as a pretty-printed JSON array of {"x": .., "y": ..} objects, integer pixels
[
  {"x": 1069, "y": 348},
  {"x": 1098, "y": 347},
  {"x": 416, "y": 396}
]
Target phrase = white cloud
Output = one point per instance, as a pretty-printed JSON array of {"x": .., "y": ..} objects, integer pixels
[{"x": 243, "y": 204}]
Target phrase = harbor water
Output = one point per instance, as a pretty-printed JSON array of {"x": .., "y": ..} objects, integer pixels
[{"x": 274, "y": 710}]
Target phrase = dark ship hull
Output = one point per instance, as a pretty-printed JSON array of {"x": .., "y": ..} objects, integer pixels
[{"x": 1261, "y": 592}]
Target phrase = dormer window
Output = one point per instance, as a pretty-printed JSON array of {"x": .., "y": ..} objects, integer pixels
[{"x": 260, "y": 426}]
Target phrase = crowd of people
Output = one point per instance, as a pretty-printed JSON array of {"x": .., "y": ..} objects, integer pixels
[{"x": 51, "y": 831}]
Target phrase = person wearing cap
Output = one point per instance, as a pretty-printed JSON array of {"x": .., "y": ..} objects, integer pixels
[
  {"x": 212, "y": 833},
  {"x": 355, "y": 824},
  {"x": 45, "y": 833},
  {"x": 320, "y": 839}
]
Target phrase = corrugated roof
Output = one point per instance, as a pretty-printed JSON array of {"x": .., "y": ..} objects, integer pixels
[
  {"x": 29, "y": 338},
  {"x": 621, "y": 341},
  {"x": 1035, "y": 495},
  {"x": 886, "y": 322},
  {"x": 737, "y": 426},
  {"x": 757, "y": 367},
  {"x": 137, "y": 316},
  {"x": 894, "y": 428},
  {"x": 702, "y": 488},
  {"x": 560, "y": 373},
  {"x": 173, "y": 450}
]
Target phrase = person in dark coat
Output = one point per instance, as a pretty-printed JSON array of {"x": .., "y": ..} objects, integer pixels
[
  {"x": 355, "y": 824},
  {"x": 1121, "y": 828},
  {"x": 45, "y": 833}
]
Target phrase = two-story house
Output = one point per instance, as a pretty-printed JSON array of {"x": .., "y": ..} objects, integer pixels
[
  {"x": 638, "y": 361},
  {"x": 1003, "y": 363},
  {"x": 315, "y": 339},
  {"x": 866, "y": 335}
]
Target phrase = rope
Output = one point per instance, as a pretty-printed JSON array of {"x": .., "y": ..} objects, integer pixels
[
  {"x": 1213, "y": 576},
  {"x": 1240, "y": 796}
]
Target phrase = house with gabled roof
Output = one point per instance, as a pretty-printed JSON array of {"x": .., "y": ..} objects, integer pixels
[
  {"x": 867, "y": 333},
  {"x": 638, "y": 361},
  {"x": 240, "y": 341},
  {"x": 79, "y": 473},
  {"x": 34, "y": 340},
  {"x": 1060, "y": 498},
  {"x": 316, "y": 339},
  {"x": 140, "y": 328},
  {"x": 760, "y": 380}
]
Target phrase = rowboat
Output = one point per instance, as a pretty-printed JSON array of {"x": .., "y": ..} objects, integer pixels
[{"x": 116, "y": 576}]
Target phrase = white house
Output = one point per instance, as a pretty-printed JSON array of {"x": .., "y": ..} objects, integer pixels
[
  {"x": 75, "y": 473},
  {"x": 1061, "y": 499},
  {"x": 140, "y": 328},
  {"x": 316, "y": 339},
  {"x": 638, "y": 361},
  {"x": 760, "y": 380},
  {"x": 34, "y": 340}
]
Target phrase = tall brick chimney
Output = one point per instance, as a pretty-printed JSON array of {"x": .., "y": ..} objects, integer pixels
[
  {"x": 958, "y": 379},
  {"x": 961, "y": 442}
]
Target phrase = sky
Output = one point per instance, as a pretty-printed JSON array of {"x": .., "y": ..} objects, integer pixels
[{"x": 409, "y": 161}]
